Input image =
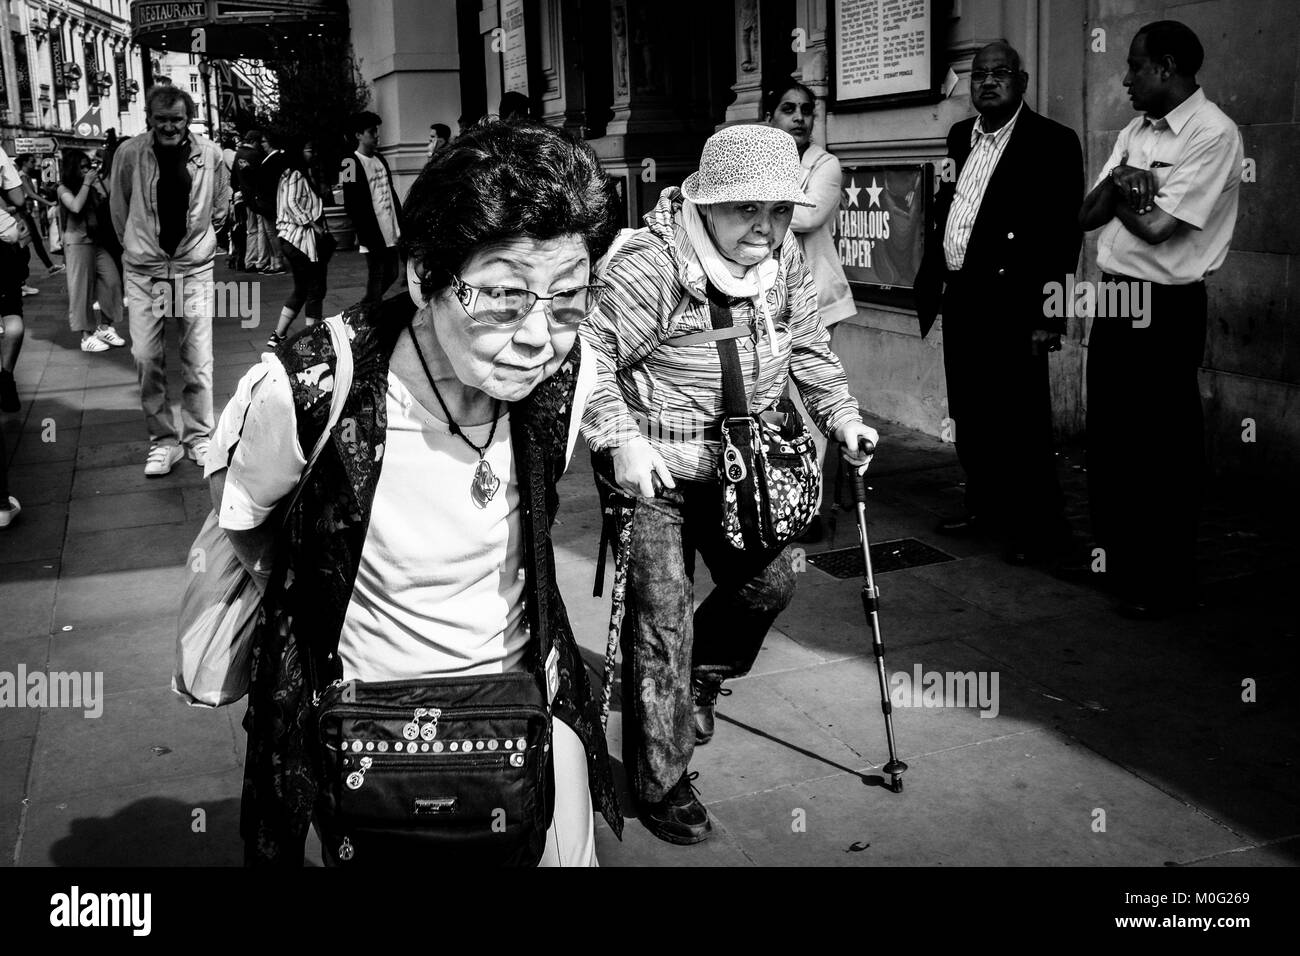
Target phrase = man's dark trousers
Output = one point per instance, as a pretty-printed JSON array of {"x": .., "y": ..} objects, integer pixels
[
  {"x": 1146, "y": 443},
  {"x": 999, "y": 397},
  {"x": 381, "y": 272}
]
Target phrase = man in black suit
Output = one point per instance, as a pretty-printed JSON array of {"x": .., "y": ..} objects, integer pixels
[{"x": 1005, "y": 226}]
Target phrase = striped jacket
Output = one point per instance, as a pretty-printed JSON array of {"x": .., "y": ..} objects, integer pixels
[
  {"x": 671, "y": 393},
  {"x": 298, "y": 208}
]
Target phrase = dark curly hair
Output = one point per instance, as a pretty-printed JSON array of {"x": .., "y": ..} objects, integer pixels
[{"x": 498, "y": 182}]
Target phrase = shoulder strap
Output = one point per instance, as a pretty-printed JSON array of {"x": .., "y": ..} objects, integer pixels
[{"x": 733, "y": 382}]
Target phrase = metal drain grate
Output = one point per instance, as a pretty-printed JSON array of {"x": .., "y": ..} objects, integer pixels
[{"x": 885, "y": 557}]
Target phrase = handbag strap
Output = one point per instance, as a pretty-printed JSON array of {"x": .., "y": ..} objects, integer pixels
[{"x": 735, "y": 400}]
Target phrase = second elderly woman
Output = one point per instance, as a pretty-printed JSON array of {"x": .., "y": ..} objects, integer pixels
[{"x": 725, "y": 233}]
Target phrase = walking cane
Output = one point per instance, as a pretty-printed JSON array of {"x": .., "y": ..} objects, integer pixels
[{"x": 871, "y": 605}]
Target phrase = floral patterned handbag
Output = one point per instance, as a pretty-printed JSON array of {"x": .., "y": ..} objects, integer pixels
[{"x": 771, "y": 482}]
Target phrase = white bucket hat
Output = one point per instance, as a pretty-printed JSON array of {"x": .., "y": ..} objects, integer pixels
[{"x": 747, "y": 163}]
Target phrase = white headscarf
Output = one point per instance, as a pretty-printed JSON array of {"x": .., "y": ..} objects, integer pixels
[{"x": 754, "y": 285}]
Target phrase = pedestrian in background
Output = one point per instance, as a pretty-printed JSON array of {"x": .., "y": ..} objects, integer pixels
[
  {"x": 439, "y": 137},
  {"x": 1166, "y": 205},
  {"x": 169, "y": 193},
  {"x": 987, "y": 266},
  {"x": 305, "y": 240},
  {"x": 94, "y": 284},
  {"x": 371, "y": 203},
  {"x": 14, "y": 231},
  {"x": 794, "y": 110},
  {"x": 243, "y": 182},
  {"x": 267, "y": 179},
  {"x": 26, "y": 165}
]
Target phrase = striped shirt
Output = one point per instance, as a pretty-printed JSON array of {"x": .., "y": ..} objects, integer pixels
[
  {"x": 670, "y": 394},
  {"x": 986, "y": 150},
  {"x": 298, "y": 208}
]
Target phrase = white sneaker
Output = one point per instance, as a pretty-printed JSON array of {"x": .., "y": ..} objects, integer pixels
[
  {"x": 108, "y": 334},
  {"x": 28, "y": 290},
  {"x": 199, "y": 452},
  {"x": 8, "y": 515},
  {"x": 161, "y": 459},
  {"x": 93, "y": 343}
]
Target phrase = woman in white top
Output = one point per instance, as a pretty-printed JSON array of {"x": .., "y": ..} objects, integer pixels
[
  {"x": 307, "y": 243},
  {"x": 463, "y": 408},
  {"x": 793, "y": 110}
]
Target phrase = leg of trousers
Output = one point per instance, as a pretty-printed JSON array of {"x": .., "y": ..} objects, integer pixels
[
  {"x": 999, "y": 397},
  {"x": 271, "y": 237},
  {"x": 255, "y": 251},
  {"x": 1146, "y": 442},
  {"x": 303, "y": 270},
  {"x": 108, "y": 287},
  {"x": 381, "y": 268},
  {"x": 151, "y": 304},
  {"x": 666, "y": 640},
  {"x": 79, "y": 257}
]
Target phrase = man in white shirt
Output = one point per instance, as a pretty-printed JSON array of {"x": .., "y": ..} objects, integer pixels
[
  {"x": 1166, "y": 204},
  {"x": 371, "y": 203}
]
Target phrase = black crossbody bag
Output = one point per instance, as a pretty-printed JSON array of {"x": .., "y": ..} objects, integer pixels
[
  {"x": 453, "y": 770},
  {"x": 771, "y": 482}
]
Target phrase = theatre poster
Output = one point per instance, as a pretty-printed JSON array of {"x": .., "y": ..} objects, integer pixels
[{"x": 880, "y": 230}]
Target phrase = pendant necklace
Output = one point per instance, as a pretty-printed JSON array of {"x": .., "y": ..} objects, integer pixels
[{"x": 485, "y": 483}]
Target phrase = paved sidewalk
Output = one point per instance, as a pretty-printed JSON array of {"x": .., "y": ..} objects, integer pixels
[{"x": 1114, "y": 742}]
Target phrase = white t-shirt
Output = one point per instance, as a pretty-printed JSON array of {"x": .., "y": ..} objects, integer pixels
[
  {"x": 381, "y": 196},
  {"x": 440, "y": 588}
]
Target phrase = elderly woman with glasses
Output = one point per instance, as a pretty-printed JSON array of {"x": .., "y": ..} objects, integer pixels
[
  {"x": 655, "y": 416},
  {"x": 414, "y": 546}
]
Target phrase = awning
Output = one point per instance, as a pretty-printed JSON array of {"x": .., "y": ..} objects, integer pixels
[{"x": 234, "y": 29}]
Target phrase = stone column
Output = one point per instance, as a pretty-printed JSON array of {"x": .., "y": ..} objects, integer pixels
[
  {"x": 748, "y": 105},
  {"x": 559, "y": 48},
  {"x": 409, "y": 54}
]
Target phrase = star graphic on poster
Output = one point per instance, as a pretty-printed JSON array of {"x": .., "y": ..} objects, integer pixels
[
  {"x": 874, "y": 192},
  {"x": 853, "y": 189}
]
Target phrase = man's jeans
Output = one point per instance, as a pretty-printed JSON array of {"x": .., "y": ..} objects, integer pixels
[
  {"x": 664, "y": 643},
  {"x": 151, "y": 303},
  {"x": 257, "y": 254}
]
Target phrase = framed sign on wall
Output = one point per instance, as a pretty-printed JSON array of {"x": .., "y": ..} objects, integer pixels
[
  {"x": 887, "y": 52},
  {"x": 880, "y": 230}
]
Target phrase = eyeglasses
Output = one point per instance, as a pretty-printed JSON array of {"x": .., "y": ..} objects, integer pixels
[
  {"x": 1000, "y": 75},
  {"x": 504, "y": 308}
]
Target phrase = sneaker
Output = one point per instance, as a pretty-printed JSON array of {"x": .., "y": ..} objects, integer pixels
[
  {"x": 679, "y": 817},
  {"x": 7, "y": 515},
  {"x": 199, "y": 452},
  {"x": 108, "y": 334},
  {"x": 275, "y": 271},
  {"x": 8, "y": 392},
  {"x": 273, "y": 341},
  {"x": 161, "y": 459},
  {"x": 93, "y": 343},
  {"x": 706, "y": 693},
  {"x": 28, "y": 290}
]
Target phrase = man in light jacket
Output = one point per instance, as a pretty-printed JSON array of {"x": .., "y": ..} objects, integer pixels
[{"x": 169, "y": 196}]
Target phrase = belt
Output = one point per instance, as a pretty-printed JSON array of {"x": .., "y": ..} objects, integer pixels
[{"x": 1116, "y": 277}]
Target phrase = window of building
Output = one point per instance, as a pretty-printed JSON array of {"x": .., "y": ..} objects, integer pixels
[{"x": 194, "y": 83}]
